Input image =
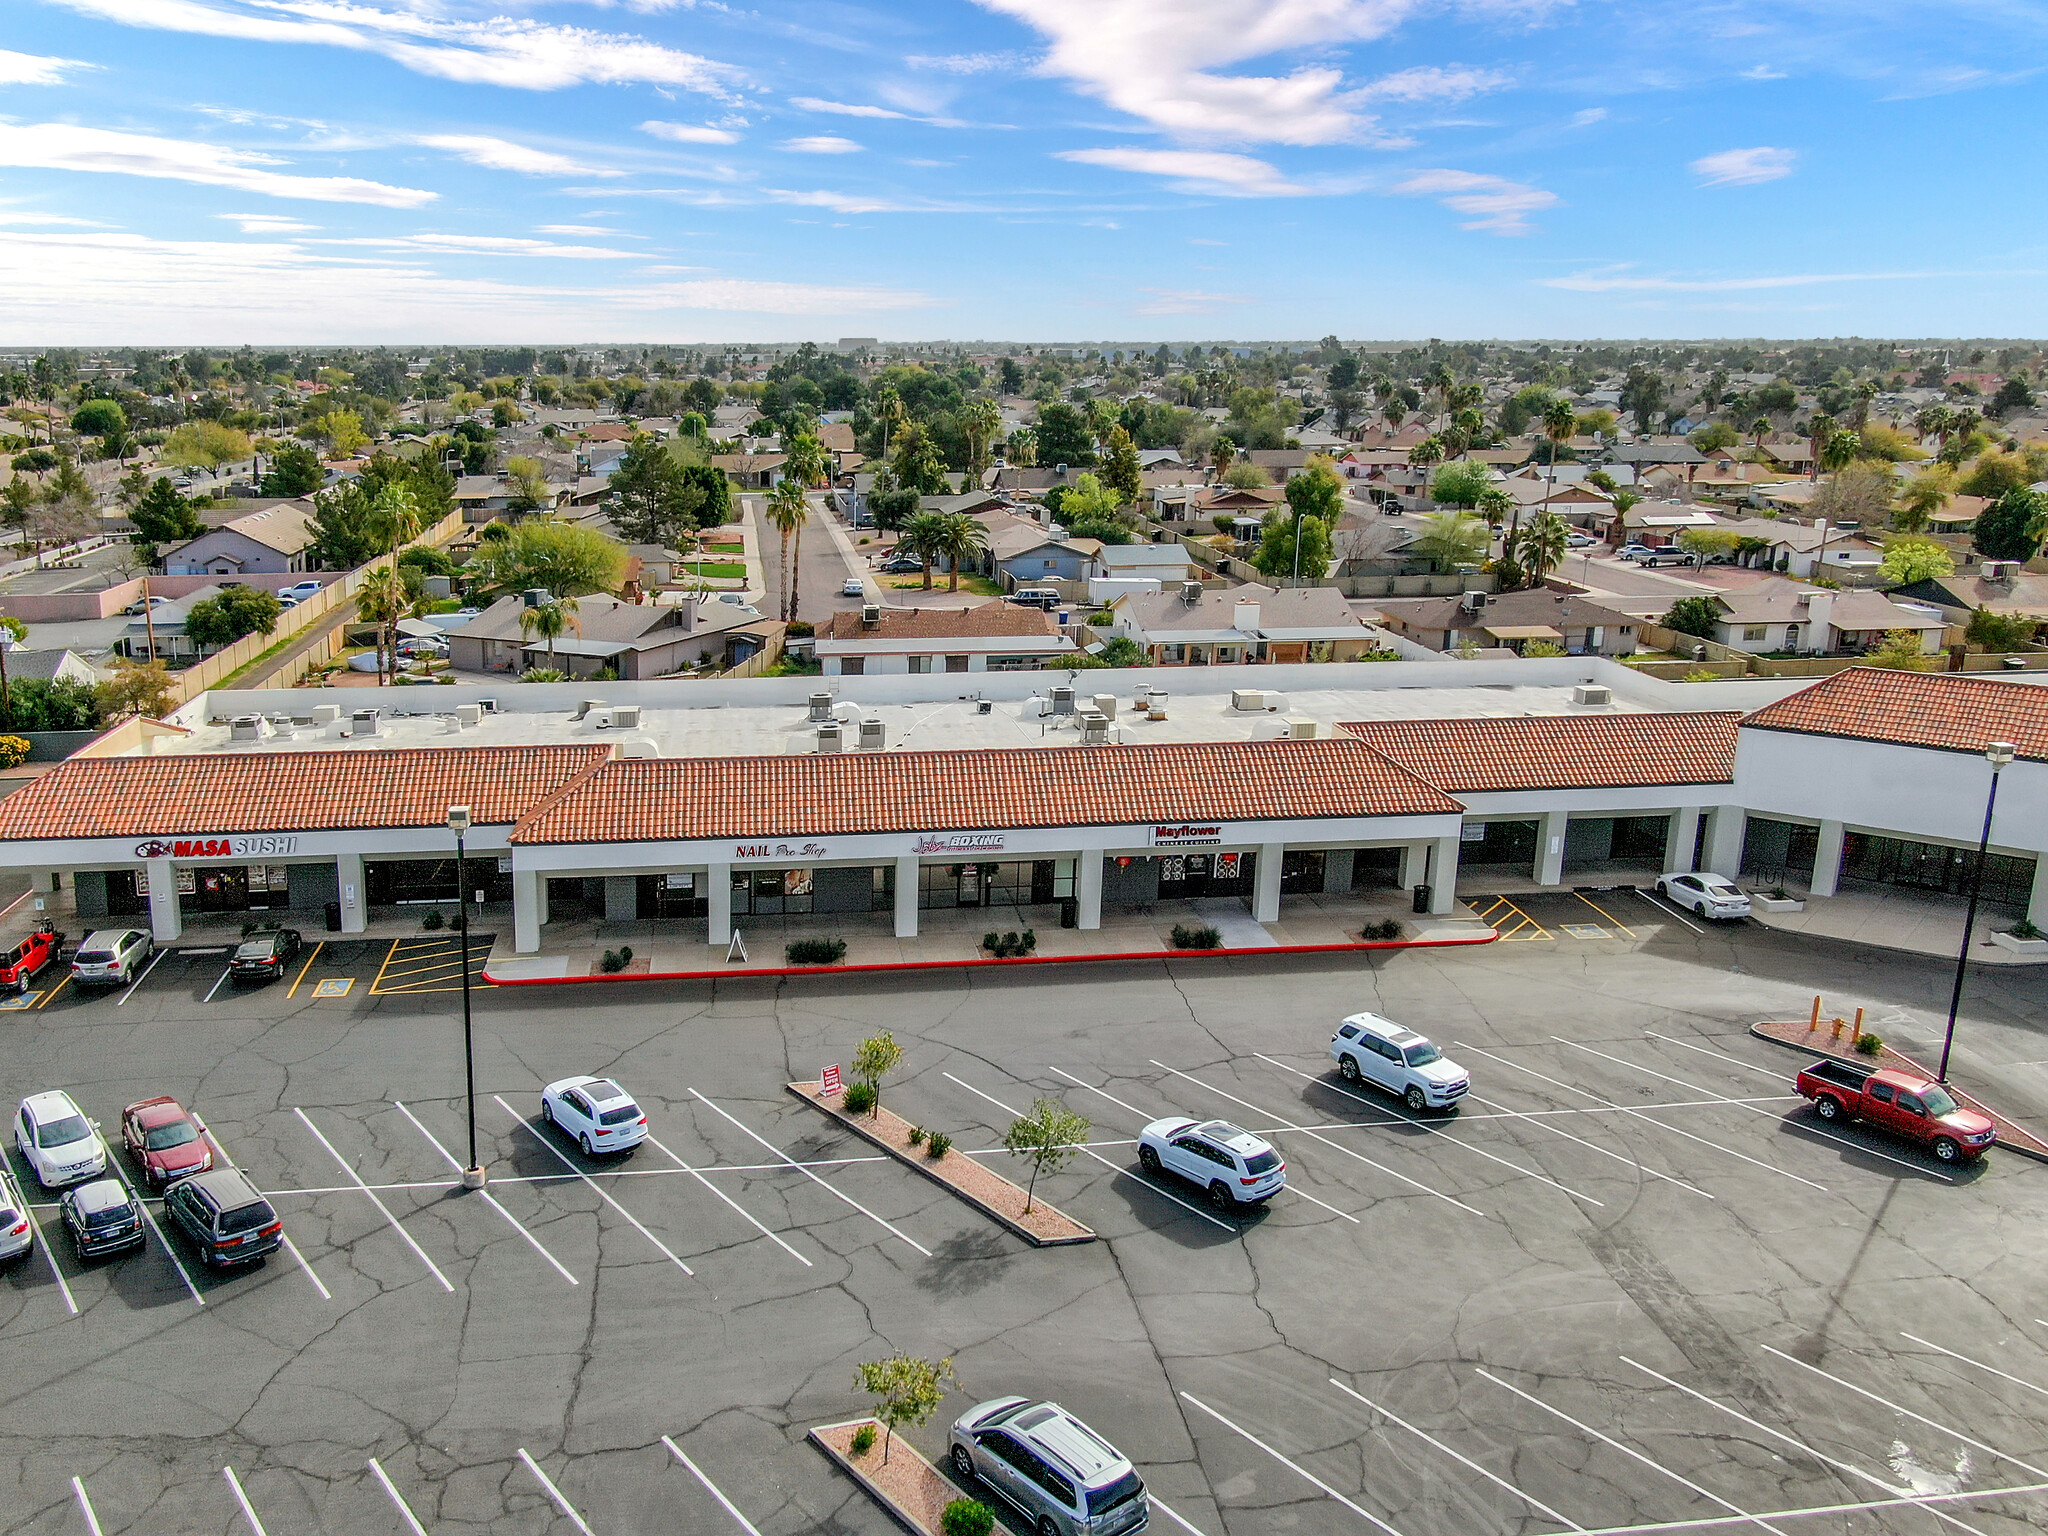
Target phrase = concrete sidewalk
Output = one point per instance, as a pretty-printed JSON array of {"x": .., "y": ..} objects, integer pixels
[
  {"x": 1916, "y": 922},
  {"x": 951, "y": 938}
]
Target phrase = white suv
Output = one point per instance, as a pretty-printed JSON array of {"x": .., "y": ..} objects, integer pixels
[
  {"x": 58, "y": 1143},
  {"x": 1368, "y": 1048},
  {"x": 595, "y": 1113},
  {"x": 1236, "y": 1167}
]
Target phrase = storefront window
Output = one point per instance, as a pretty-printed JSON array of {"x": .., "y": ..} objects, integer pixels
[
  {"x": 1931, "y": 867},
  {"x": 1007, "y": 883},
  {"x": 771, "y": 892}
]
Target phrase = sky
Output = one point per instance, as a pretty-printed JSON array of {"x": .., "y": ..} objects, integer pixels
[{"x": 177, "y": 172}]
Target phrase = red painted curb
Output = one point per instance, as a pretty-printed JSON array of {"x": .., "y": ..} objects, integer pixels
[{"x": 953, "y": 965}]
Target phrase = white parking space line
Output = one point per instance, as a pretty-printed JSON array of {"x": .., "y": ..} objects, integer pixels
[
  {"x": 50, "y": 1257},
  {"x": 1921, "y": 1501},
  {"x": 1299, "y": 1194},
  {"x": 383, "y": 1210},
  {"x": 1809, "y": 1130},
  {"x": 1498, "y": 1481},
  {"x": 1635, "y": 1455},
  {"x": 141, "y": 978},
  {"x": 142, "y": 1205},
  {"x": 667, "y": 1252},
  {"x": 806, "y": 1172},
  {"x": 412, "y": 1521},
  {"x": 488, "y": 1198},
  {"x": 220, "y": 1150},
  {"x": 1317, "y": 1136},
  {"x": 1122, "y": 1172},
  {"x": 1619, "y": 1157},
  {"x": 1421, "y": 1125},
  {"x": 1733, "y": 1061},
  {"x": 1171, "y": 1513},
  {"x": 92, "y": 1520},
  {"x": 1665, "y": 909},
  {"x": 1994, "y": 1370},
  {"x": 241, "y": 1498},
  {"x": 1637, "y": 1114},
  {"x": 1292, "y": 1466},
  {"x": 1807, "y": 1450},
  {"x": 728, "y": 1199},
  {"x": 553, "y": 1492},
  {"x": 218, "y": 983},
  {"x": 710, "y": 1487}
]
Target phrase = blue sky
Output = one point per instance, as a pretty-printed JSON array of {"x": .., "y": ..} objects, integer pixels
[{"x": 223, "y": 171}]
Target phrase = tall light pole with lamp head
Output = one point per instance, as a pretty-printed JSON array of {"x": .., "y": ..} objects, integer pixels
[
  {"x": 458, "y": 823},
  {"x": 1999, "y": 754}
]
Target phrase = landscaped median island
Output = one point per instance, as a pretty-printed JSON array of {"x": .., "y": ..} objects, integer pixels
[
  {"x": 980, "y": 1186},
  {"x": 911, "y": 1488}
]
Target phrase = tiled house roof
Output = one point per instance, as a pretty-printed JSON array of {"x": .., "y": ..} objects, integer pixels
[
  {"x": 1914, "y": 709},
  {"x": 1558, "y": 751}
]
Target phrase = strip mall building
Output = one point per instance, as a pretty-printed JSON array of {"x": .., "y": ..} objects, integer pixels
[{"x": 704, "y": 803}]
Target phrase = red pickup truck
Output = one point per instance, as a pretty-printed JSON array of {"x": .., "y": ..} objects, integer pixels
[
  {"x": 1904, "y": 1103},
  {"x": 26, "y": 959}
]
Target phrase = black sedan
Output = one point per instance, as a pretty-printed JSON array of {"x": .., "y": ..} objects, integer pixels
[
  {"x": 263, "y": 956},
  {"x": 102, "y": 1217}
]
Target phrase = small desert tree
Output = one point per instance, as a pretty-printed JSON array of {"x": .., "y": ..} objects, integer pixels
[
  {"x": 1050, "y": 1135},
  {"x": 907, "y": 1389},
  {"x": 874, "y": 1059}
]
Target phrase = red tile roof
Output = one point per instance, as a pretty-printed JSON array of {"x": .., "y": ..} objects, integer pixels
[
  {"x": 1558, "y": 751},
  {"x": 1946, "y": 712},
  {"x": 660, "y": 799},
  {"x": 220, "y": 793}
]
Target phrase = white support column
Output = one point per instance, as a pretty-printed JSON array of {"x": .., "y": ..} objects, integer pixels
[
  {"x": 165, "y": 924},
  {"x": 355, "y": 892},
  {"x": 1725, "y": 826},
  {"x": 1088, "y": 887},
  {"x": 906, "y": 896},
  {"x": 1550, "y": 832},
  {"x": 1681, "y": 837},
  {"x": 529, "y": 909},
  {"x": 1827, "y": 859},
  {"x": 2037, "y": 902},
  {"x": 1443, "y": 875},
  {"x": 1414, "y": 866},
  {"x": 718, "y": 902},
  {"x": 1266, "y": 883}
]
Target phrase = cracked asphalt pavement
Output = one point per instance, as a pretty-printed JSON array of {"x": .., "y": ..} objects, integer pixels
[{"x": 1632, "y": 1286}]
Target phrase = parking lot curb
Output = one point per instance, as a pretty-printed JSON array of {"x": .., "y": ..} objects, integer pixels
[
  {"x": 1489, "y": 937},
  {"x": 822, "y": 1436},
  {"x": 924, "y": 1166},
  {"x": 2007, "y": 1127}
]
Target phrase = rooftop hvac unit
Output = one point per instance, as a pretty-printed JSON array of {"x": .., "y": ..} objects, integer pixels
[
  {"x": 871, "y": 614},
  {"x": 1063, "y": 699},
  {"x": 873, "y": 736},
  {"x": 468, "y": 714},
  {"x": 1592, "y": 695},
  {"x": 1105, "y": 705},
  {"x": 626, "y": 717},
  {"x": 246, "y": 728},
  {"x": 584, "y": 709},
  {"x": 326, "y": 714},
  {"x": 1155, "y": 705},
  {"x": 488, "y": 706},
  {"x": 535, "y": 597},
  {"x": 599, "y": 718},
  {"x": 1191, "y": 592},
  {"x": 364, "y": 723},
  {"x": 1299, "y": 729},
  {"x": 829, "y": 738},
  {"x": 821, "y": 706},
  {"x": 1472, "y": 602},
  {"x": 1247, "y": 698},
  {"x": 2000, "y": 571},
  {"x": 1094, "y": 729}
]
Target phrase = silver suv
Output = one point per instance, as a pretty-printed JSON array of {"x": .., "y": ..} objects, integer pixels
[
  {"x": 110, "y": 957},
  {"x": 1065, "y": 1479}
]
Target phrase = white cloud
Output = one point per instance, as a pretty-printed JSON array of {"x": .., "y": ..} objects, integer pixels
[
  {"x": 689, "y": 133},
  {"x": 844, "y": 108},
  {"x": 486, "y": 245},
  {"x": 504, "y": 155},
  {"x": 1429, "y": 83},
  {"x": 267, "y": 224},
  {"x": 970, "y": 63},
  {"x": 1744, "y": 167},
  {"x": 1589, "y": 117},
  {"x": 1198, "y": 240},
  {"x": 67, "y": 147},
  {"x": 1763, "y": 72},
  {"x": 1204, "y": 172},
  {"x": 1620, "y": 280},
  {"x": 1159, "y": 62},
  {"x": 1495, "y": 203},
  {"x": 765, "y": 298},
  {"x": 500, "y": 50},
  {"x": 573, "y": 229},
  {"x": 1186, "y": 301},
  {"x": 35, "y": 69},
  {"x": 823, "y": 144}
]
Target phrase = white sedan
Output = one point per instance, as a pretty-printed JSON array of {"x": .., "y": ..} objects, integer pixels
[
  {"x": 853, "y": 586},
  {"x": 1234, "y": 1166},
  {"x": 1704, "y": 894},
  {"x": 595, "y": 1113},
  {"x": 58, "y": 1143}
]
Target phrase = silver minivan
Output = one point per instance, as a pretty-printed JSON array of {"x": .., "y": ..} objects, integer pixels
[
  {"x": 1064, "y": 1478},
  {"x": 17, "y": 1227},
  {"x": 110, "y": 957}
]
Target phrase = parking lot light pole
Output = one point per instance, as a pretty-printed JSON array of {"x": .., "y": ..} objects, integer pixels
[
  {"x": 1999, "y": 754},
  {"x": 458, "y": 823}
]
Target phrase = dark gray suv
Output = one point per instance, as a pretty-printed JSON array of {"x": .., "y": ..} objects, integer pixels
[{"x": 226, "y": 1216}]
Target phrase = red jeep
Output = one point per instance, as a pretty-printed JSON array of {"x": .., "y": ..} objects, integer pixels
[{"x": 29, "y": 957}]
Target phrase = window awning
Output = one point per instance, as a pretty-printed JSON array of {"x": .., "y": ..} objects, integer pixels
[{"x": 1523, "y": 632}]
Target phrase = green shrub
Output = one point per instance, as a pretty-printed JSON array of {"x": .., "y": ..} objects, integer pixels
[
  {"x": 1379, "y": 932},
  {"x": 989, "y": 941},
  {"x": 2023, "y": 929},
  {"x": 968, "y": 1517},
  {"x": 1869, "y": 1044},
  {"x": 863, "y": 1440},
  {"x": 917, "y": 1135},
  {"x": 858, "y": 1099},
  {"x": 432, "y": 921},
  {"x": 1202, "y": 937},
  {"x": 612, "y": 963},
  {"x": 1029, "y": 942},
  {"x": 937, "y": 1145},
  {"x": 815, "y": 951},
  {"x": 625, "y": 953}
]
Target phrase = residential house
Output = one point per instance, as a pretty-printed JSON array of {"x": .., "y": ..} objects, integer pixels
[
  {"x": 2003, "y": 586},
  {"x": 1511, "y": 620},
  {"x": 46, "y": 666},
  {"x": 1169, "y": 563},
  {"x": 1789, "y": 616},
  {"x": 995, "y": 637},
  {"x": 631, "y": 640},
  {"x": 1025, "y": 555},
  {"x": 1283, "y": 464},
  {"x": 276, "y": 541},
  {"x": 1195, "y": 627},
  {"x": 750, "y": 471}
]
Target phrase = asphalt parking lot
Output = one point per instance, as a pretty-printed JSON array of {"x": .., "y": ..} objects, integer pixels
[{"x": 1632, "y": 1286}]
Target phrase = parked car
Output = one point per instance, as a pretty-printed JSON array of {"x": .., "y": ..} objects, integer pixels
[
  {"x": 899, "y": 565},
  {"x": 595, "y": 1113},
  {"x": 58, "y": 1143},
  {"x": 299, "y": 591},
  {"x": 164, "y": 1141},
  {"x": 1061, "y": 1475},
  {"x": 1234, "y": 1166},
  {"x": 110, "y": 957},
  {"x": 29, "y": 958},
  {"x": 1370, "y": 1049},
  {"x": 142, "y": 605},
  {"x": 263, "y": 956},
  {"x": 422, "y": 646},
  {"x": 225, "y": 1216},
  {"x": 1576, "y": 540},
  {"x": 1904, "y": 1103},
  {"x": 1047, "y": 598},
  {"x": 853, "y": 586},
  {"x": 1668, "y": 555},
  {"x": 1633, "y": 552},
  {"x": 17, "y": 1231},
  {"x": 1712, "y": 896},
  {"x": 102, "y": 1217}
]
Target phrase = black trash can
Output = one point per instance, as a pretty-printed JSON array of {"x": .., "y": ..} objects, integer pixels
[
  {"x": 1422, "y": 898},
  {"x": 1070, "y": 912},
  {"x": 334, "y": 917}
]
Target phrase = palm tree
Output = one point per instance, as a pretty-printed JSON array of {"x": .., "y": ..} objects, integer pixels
[
  {"x": 1936, "y": 421},
  {"x": 1759, "y": 430},
  {"x": 1450, "y": 539},
  {"x": 961, "y": 538},
  {"x": 383, "y": 600},
  {"x": 1925, "y": 494},
  {"x": 1442, "y": 381},
  {"x": 889, "y": 411},
  {"x": 1429, "y": 451},
  {"x": 924, "y": 536},
  {"x": 1818, "y": 432},
  {"x": 1541, "y": 547},
  {"x": 1560, "y": 421},
  {"x": 804, "y": 459},
  {"x": 1222, "y": 455},
  {"x": 787, "y": 510},
  {"x": 1840, "y": 451},
  {"x": 1393, "y": 412},
  {"x": 982, "y": 421},
  {"x": 549, "y": 620}
]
